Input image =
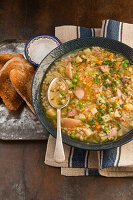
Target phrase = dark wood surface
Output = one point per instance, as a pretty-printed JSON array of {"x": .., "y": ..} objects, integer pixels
[{"x": 23, "y": 174}]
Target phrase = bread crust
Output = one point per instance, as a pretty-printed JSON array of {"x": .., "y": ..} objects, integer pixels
[
  {"x": 5, "y": 57},
  {"x": 21, "y": 79},
  {"x": 11, "y": 90},
  {"x": 10, "y": 97}
]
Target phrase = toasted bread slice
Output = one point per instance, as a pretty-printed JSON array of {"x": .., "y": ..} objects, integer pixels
[
  {"x": 21, "y": 79},
  {"x": 5, "y": 57},
  {"x": 8, "y": 93}
]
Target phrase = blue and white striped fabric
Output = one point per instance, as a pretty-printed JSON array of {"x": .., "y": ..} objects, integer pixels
[
  {"x": 114, "y": 162},
  {"x": 66, "y": 33},
  {"x": 116, "y": 30}
]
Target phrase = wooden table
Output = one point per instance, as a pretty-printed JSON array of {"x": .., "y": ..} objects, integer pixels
[{"x": 23, "y": 174}]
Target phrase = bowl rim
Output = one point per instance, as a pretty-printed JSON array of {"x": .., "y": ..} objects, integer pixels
[
  {"x": 33, "y": 37},
  {"x": 66, "y": 139}
]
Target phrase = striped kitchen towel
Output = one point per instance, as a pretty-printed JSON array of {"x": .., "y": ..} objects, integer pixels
[{"x": 117, "y": 162}]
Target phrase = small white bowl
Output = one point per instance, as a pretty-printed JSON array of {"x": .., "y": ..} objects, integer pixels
[{"x": 39, "y": 46}]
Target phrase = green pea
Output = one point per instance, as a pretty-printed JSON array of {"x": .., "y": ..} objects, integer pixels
[
  {"x": 115, "y": 106},
  {"x": 126, "y": 61},
  {"x": 75, "y": 76},
  {"x": 102, "y": 96},
  {"x": 105, "y": 129},
  {"x": 118, "y": 80},
  {"x": 62, "y": 93},
  {"x": 74, "y": 81},
  {"x": 80, "y": 103},
  {"x": 125, "y": 66},
  {"x": 99, "y": 115},
  {"x": 102, "y": 113},
  {"x": 72, "y": 136},
  {"x": 55, "y": 117}
]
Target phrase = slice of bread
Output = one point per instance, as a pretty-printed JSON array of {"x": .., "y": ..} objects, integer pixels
[
  {"x": 21, "y": 79},
  {"x": 8, "y": 93},
  {"x": 10, "y": 97},
  {"x": 5, "y": 57}
]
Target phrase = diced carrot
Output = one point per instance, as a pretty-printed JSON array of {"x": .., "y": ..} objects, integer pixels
[
  {"x": 98, "y": 62},
  {"x": 126, "y": 73},
  {"x": 116, "y": 100},
  {"x": 117, "y": 65},
  {"x": 105, "y": 106},
  {"x": 82, "y": 66},
  {"x": 89, "y": 84},
  {"x": 110, "y": 57},
  {"x": 126, "y": 108},
  {"x": 96, "y": 123},
  {"x": 126, "y": 123},
  {"x": 115, "y": 75},
  {"x": 98, "y": 127},
  {"x": 86, "y": 79},
  {"x": 71, "y": 95},
  {"x": 89, "y": 118},
  {"x": 93, "y": 126},
  {"x": 103, "y": 92}
]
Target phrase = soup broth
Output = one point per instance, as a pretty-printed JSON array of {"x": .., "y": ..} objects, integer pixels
[{"x": 100, "y": 85}]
